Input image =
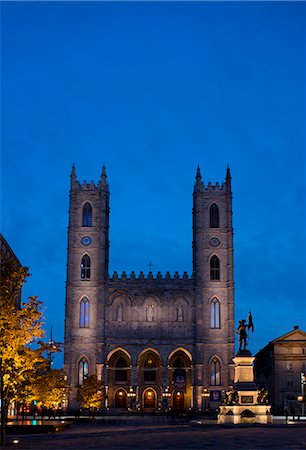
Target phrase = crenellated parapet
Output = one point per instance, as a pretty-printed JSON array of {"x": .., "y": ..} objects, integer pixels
[
  {"x": 142, "y": 276},
  {"x": 201, "y": 187},
  {"x": 76, "y": 185},
  {"x": 142, "y": 280}
]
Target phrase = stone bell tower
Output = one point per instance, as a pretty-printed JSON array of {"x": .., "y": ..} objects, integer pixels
[
  {"x": 87, "y": 270},
  {"x": 214, "y": 281}
]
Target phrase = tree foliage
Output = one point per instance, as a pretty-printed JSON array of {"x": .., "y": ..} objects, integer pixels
[
  {"x": 90, "y": 394},
  {"x": 12, "y": 278},
  {"x": 50, "y": 388},
  {"x": 20, "y": 328}
]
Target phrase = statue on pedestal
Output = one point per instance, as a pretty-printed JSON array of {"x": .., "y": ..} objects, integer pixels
[{"x": 242, "y": 331}]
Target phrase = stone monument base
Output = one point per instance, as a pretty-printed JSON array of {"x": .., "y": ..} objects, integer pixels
[
  {"x": 245, "y": 403},
  {"x": 245, "y": 414}
]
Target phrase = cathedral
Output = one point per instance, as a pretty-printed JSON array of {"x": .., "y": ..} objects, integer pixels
[{"x": 157, "y": 342}]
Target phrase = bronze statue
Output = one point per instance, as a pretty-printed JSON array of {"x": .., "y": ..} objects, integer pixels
[
  {"x": 263, "y": 397},
  {"x": 242, "y": 331},
  {"x": 231, "y": 397},
  {"x": 242, "y": 334}
]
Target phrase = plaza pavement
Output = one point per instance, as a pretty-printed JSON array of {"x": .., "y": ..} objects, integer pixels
[{"x": 149, "y": 433}]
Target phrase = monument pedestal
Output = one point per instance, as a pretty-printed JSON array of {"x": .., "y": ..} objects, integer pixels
[{"x": 245, "y": 403}]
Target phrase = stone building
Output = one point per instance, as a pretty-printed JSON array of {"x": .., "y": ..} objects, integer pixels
[
  {"x": 156, "y": 342},
  {"x": 7, "y": 254},
  {"x": 281, "y": 368}
]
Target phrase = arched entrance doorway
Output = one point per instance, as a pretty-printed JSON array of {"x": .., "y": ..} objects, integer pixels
[
  {"x": 120, "y": 399},
  {"x": 178, "y": 400},
  {"x": 149, "y": 399}
]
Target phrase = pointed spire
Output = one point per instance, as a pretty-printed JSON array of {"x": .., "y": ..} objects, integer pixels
[
  {"x": 199, "y": 186},
  {"x": 198, "y": 175},
  {"x": 73, "y": 178},
  {"x": 103, "y": 180},
  {"x": 228, "y": 179}
]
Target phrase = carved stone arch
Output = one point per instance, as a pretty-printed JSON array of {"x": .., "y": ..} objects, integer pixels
[
  {"x": 210, "y": 255},
  {"x": 142, "y": 355},
  {"x": 180, "y": 350},
  {"x": 151, "y": 294},
  {"x": 215, "y": 356},
  {"x": 182, "y": 315},
  {"x": 80, "y": 356},
  {"x": 119, "y": 350},
  {"x": 120, "y": 293},
  {"x": 86, "y": 201},
  {"x": 119, "y": 306}
]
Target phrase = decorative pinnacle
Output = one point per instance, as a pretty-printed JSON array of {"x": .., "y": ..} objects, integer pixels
[
  {"x": 198, "y": 175},
  {"x": 73, "y": 178},
  {"x": 103, "y": 180},
  {"x": 228, "y": 179},
  {"x": 199, "y": 186}
]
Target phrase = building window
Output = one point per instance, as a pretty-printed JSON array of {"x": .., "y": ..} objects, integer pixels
[
  {"x": 84, "y": 313},
  {"x": 121, "y": 370},
  {"x": 214, "y": 268},
  {"x": 215, "y": 313},
  {"x": 150, "y": 368},
  {"x": 83, "y": 370},
  {"x": 215, "y": 372},
  {"x": 87, "y": 215},
  {"x": 214, "y": 216},
  {"x": 85, "y": 268}
]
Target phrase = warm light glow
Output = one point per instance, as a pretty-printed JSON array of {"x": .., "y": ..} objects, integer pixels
[
  {"x": 15, "y": 441},
  {"x": 149, "y": 394},
  {"x": 120, "y": 394},
  {"x": 178, "y": 394}
]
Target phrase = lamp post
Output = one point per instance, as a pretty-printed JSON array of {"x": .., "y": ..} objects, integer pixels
[
  {"x": 205, "y": 395},
  {"x": 302, "y": 397},
  {"x": 131, "y": 396},
  {"x": 166, "y": 395}
]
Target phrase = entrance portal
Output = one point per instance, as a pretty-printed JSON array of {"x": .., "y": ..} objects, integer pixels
[
  {"x": 120, "y": 399},
  {"x": 178, "y": 400},
  {"x": 149, "y": 399}
]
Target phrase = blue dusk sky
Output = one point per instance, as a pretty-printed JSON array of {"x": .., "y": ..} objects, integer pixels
[{"x": 153, "y": 89}]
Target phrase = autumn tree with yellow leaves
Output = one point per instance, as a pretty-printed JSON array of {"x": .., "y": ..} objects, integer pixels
[
  {"x": 90, "y": 394},
  {"x": 20, "y": 329},
  {"x": 50, "y": 388}
]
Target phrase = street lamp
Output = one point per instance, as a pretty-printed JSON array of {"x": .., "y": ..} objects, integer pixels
[
  {"x": 131, "y": 395},
  {"x": 205, "y": 395},
  {"x": 301, "y": 400},
  {"x": 166, "y": 395}
]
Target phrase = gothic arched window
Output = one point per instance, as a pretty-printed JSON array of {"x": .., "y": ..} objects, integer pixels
[
  {"x": 121, "y": 366},
  {"x": 214, "y": 268},
  {"x": 84, "y": 313},
  {"x": 215, "y": 313},
  {"x": 85, "y": 268},
  {"x": 215, "y": 372},
  {"x": 87, "y": 215},
  {"x": 214, "y": 216},
  {"x": 83, "y": 370}
]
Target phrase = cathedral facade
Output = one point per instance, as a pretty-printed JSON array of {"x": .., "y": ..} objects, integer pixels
[{"x": 157, "y": 342}]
